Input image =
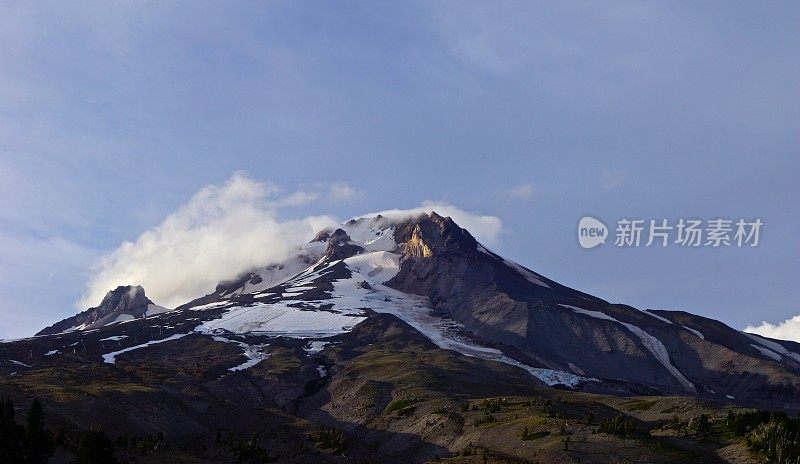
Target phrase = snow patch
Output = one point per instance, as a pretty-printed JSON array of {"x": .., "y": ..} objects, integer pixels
[
  {"x": 254, "y": 356},
  {"x": 371, "y": 234},
  {"x": 650, "y": 342},
  {"x": 378, "y": 266},
  {"x": 218, "y": 304},
  {"x": 153, "y": 309},
  {"x": 279, "y": 319},
  {"x": 660, "y": 318},
  {"x": 315, "y": 346},
  {"x": 696, "y": 332},
  {"x": 774, "y": 346},
  {"x": 115, "y": 338},
  {"x": 253, "y": 353},
  {"x": 111, "y": 358},
  {"x": 51, "y": 353},
  {"x": 122, "y": 318},
  {"x": 383, "y": 243},
  {"x": 527, "y": 273},
  {"x": 522, "y": 270},
  {"x": 299, "y": 289},
  {"x": 767, "y": 352}
]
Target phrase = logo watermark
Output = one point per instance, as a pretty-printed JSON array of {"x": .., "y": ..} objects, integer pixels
[
  {"x": 687, "y": 233},
  {"x": 591, "y": 232}
]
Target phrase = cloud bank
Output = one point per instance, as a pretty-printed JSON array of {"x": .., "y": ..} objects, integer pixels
[
  {"x": 220, "y": 232},
  {"x": 225, "y": 230},
  {"x": 786, "y": 330}
]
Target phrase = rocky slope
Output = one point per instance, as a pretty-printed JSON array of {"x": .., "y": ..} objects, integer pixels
[
  {"x": 124, "y": 303},
  {"x": 546, "y": 324}
]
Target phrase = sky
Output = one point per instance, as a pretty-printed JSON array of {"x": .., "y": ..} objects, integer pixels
[{"x": 189, "y": 134}]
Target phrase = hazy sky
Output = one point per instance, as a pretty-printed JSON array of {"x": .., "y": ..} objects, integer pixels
[{"x": 114, "y": 117}]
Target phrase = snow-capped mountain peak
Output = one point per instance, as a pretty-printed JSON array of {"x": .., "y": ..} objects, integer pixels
[{"x": 437, "y": 278}]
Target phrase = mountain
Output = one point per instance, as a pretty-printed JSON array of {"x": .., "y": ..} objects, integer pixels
[
  {"x": 124, "y": 303},
  {"x": 435, "y": 276},
  {"x": 391, "y": 315}
]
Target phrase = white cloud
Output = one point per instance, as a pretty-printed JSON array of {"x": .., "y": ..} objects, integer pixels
[
  {"x": 220, "y": 232},
  {"x": 336, "y": 192},
  {"x": 786, "y": 330},
  {"x": 225, "y": 230},
  {"x": 298, "y": 198},
  {"x": 485, "y": 229},
  {"x": 612, "y": 179},
  {"x": 342, "y": 192},
  {"x": 523, "y": 192}
]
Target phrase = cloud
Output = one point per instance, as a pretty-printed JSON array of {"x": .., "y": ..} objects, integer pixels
[
  {"x": 225, "y": 230},
  {"x": 786, "y": 330},
  {"x": 342, "y": 192},
  {"x": 523, "y": 192},
  {"x": 336, "y": 192},
  {"x": 220, "y": 232},
  {"x": 298, "y": 198},
  {"x": 485, "y": 229},
  {"x": 612, "y": 179}
]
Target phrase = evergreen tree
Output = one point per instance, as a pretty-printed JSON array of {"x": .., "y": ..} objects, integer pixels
[
  {"x": 773, "y": 434},
  {"x": 703, "y": 430},
  {"x": 38, "y": 441},
  {"x": 11, "y": 434},
  {"x": 94, "y": 448},
  {"x": 249, "y": 452}
]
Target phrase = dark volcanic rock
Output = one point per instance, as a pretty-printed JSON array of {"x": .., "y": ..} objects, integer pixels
[
  {"x": 340, "y": 246},
  {"x": 431, "y": 234},
  {"x": 322, "y": 236},
  {"x": 125, "y": 299}
]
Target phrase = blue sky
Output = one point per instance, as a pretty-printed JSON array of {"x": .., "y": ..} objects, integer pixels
[{"x": 112, "y": 117}]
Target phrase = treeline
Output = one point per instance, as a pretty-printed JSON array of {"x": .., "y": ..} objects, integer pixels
[
  {"x": 775, "y": 435},
  {"x": 28, "y": 443},
  {"x": 699, "y": 427},
  {"x": 246, "y": 451},
  {"x": 32, "y": 443}
]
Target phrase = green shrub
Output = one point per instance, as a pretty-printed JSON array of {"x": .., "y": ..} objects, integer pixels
[
  {"x": 774, "y": 435},
  {"x": 398, "y": 405},
  {"x": 621, "y": 426}
]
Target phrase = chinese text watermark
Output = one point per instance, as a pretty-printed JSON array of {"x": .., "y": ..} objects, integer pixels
[{"x": 714, "y": 233}]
